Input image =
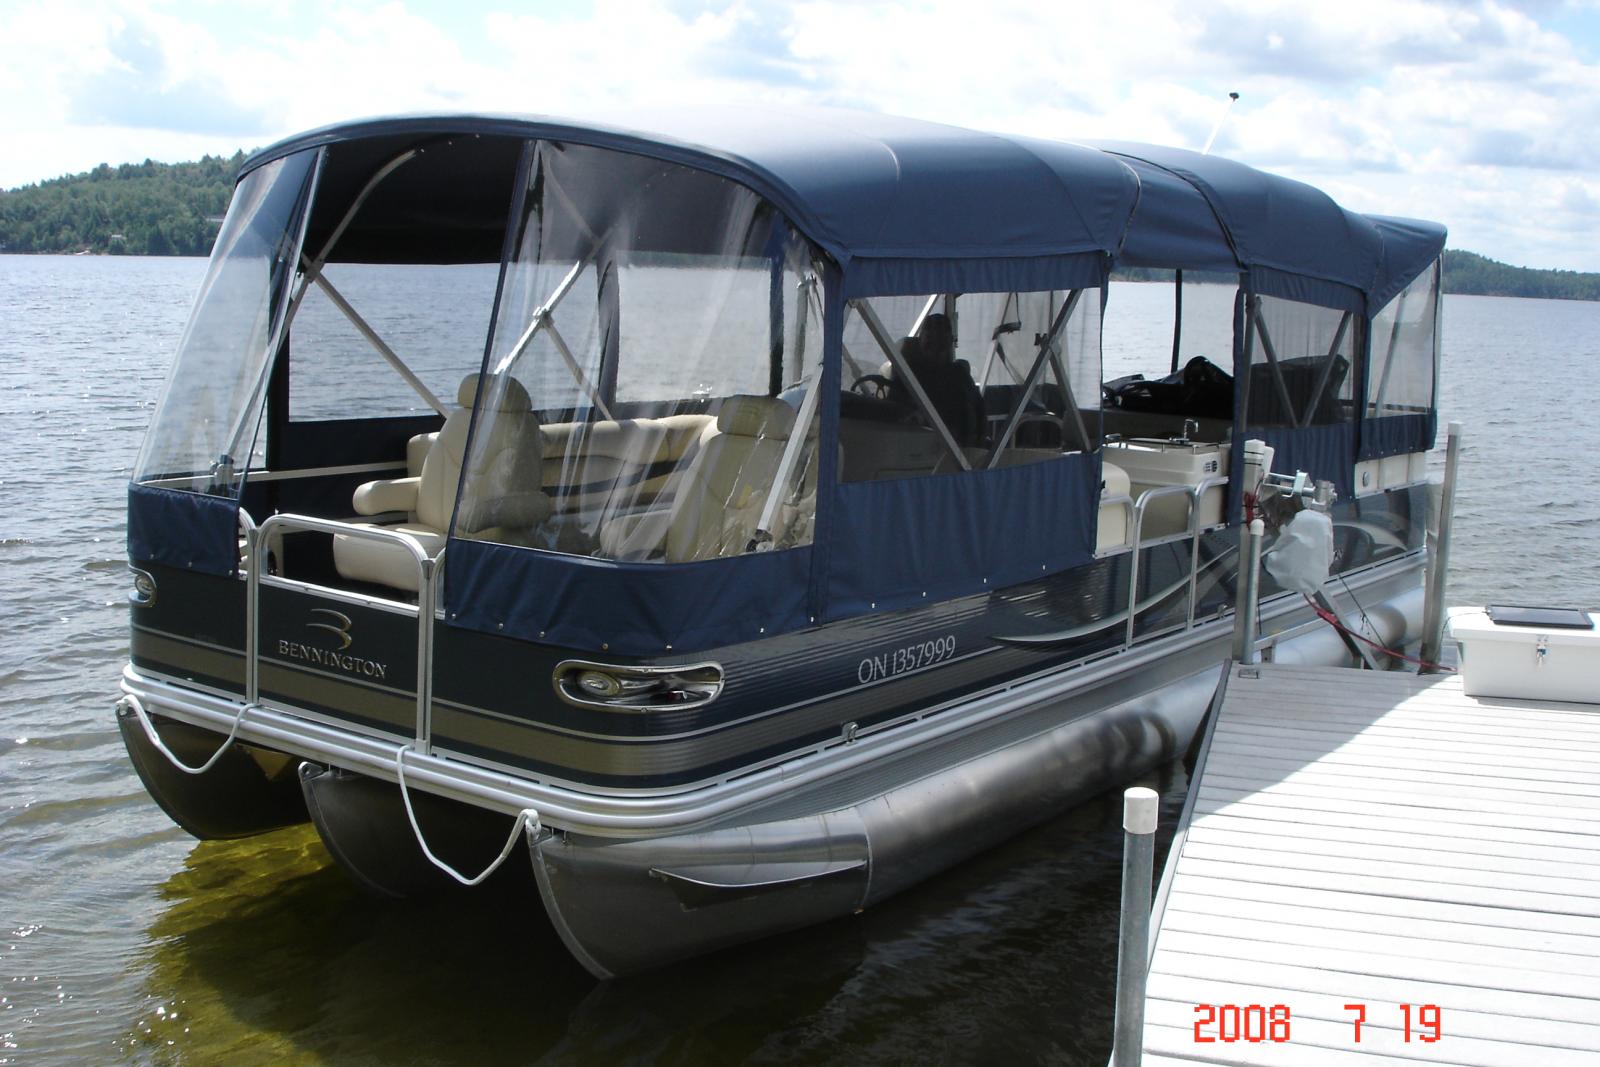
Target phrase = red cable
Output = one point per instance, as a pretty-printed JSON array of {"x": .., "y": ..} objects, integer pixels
[{"x": 1338, "y": 624}]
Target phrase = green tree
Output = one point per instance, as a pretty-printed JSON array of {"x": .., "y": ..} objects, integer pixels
[{"x": 144, "y": 208}]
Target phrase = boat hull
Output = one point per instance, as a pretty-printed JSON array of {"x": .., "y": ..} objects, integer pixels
[
  {"x": 249, "y": 791},
  {"x": 874, "y": 780},
  {"x": 627, "y": 906}
]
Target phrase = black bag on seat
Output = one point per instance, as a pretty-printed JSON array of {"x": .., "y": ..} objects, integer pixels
[{"x": 1201, "y": 390}]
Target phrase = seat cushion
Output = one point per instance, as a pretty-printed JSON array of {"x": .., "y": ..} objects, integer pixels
[{"x": 363, "y": 559}]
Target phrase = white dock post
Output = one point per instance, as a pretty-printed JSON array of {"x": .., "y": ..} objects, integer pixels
[
  {"x": 1439, "y": 557},
  {"x": 1248, "y": 596},
  {"x": 1139, "y": 809}
]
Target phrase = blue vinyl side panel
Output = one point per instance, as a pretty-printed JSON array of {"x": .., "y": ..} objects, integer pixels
[
  {"x": 633, "y": 609},
  {"x": 1324, "y": 452},
  {"x": 1398, "y": 435},
  {"x": 188, "y": 530},
  {"x": 1305, "y": 290},
  {"x": 1000, "y": 274},
  {"x": 913, "y": 541}
]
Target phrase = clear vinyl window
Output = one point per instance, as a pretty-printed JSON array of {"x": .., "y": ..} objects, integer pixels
[
  {"x": 1169, "y": 358},
  {"x": 203, "y": 436},
  {"x": 1405, "y": 350},
  {"x": 950, "y": 382},
  {"x": 1302, "y": 360},
  {"x": 653, "y": 385},
  {"x": 432, "y": 318}
]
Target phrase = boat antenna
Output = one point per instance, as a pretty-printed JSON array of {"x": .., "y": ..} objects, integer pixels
[{"x": 1206, "y": 151}]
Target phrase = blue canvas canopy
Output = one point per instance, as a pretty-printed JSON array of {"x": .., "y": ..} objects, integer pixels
[
  {"x": 891, "y": 199},
  {"x": 898, "y": 203},
  {"x": 1207, "y": 213},
  {"x": 901, "y": 208},
  {"x": 1201, "y": 212},
  {"x": 1409, "y": 246}
]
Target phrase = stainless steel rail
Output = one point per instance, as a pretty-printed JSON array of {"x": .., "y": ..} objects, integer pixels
[
  {"x": 259, "y": 538},
  {"x": 1193, "y": 493}
]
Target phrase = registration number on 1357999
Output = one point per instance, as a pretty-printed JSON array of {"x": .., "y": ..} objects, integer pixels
[{"x": 904, "y": 660}]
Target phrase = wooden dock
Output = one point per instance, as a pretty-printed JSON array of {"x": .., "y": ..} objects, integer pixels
[{"x": 1379, "y": 847}]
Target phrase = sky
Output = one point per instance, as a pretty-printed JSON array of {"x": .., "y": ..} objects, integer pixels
[{"x": 1481, "y": 114}]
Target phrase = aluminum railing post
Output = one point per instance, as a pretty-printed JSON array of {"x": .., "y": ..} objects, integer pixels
[
  {"x": 426, "y": 571},
  {"x": 1439, "y": 557},
  {"x": 1248, "y": 593},
  {"x": 1139, "y": 813},
  {"x": 252, "y": 614}
]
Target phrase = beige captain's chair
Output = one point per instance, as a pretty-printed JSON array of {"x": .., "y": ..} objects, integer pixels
[
  {"x": 717, "y": 506},
  {"x": 506, "y": 487}
]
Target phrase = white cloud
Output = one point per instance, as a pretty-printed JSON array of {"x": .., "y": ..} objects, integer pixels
[{"x": 1475, "y": 112}]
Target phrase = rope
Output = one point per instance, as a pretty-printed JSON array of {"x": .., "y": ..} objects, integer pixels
[
  {"x": 1351, "y": 593},
  {"x": 527, "y": 819},
  {"x": 1338, "y": 624},
  {"x": 137, "y": 707}
]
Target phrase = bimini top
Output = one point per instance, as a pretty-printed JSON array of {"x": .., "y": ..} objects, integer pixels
[
  {"x": 1203, "y": 212},
  {"x": 868, "y": 188},
  {"x": 889, "y": 198}
]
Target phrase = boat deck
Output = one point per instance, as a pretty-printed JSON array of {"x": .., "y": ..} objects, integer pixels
[{"x": 1382, "y": 845}]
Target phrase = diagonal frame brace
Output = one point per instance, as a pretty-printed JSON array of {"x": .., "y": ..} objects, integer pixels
[{"x": 881, "y": 335}]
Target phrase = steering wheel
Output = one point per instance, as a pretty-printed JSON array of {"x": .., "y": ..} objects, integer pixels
[
  {"x": 1039, "y": 418},
  {"x": 873, "y": 385}
]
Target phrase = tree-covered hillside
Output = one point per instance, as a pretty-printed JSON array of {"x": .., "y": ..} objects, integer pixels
[
  {"x": 137, "y": 209},
  {"x": 1464, "y": 272},
  {"x": 1467, "y": 272},
  {"x": 172, "y": 209}
]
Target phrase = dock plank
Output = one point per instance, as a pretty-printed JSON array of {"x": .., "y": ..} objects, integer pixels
[
  {"x": 1439, "y": 946},
  {"x": 1322, "y": 918},
  {"x": 1242, "y": 808},
  {"x": 1481, "y": 813},
  {"x": 1395, "y": 836},
  {"x": 1268, "y": 891},
  {"x": 1312, "y": 780},
  {"x": 1415, "y": 866},
  {"x": 1364, "y": 837},
  {"x": 1282, "y": 739},
  {"x": 1407, "y": 848},
  {"x": 1402, "y": 739},
  {"x": 1538, "y": 777}
]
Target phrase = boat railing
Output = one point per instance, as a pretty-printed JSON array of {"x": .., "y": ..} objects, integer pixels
[
  {"x": 1125, "y": 502},
  {"x": 264, "y": 541},
  {"x": 259, "y": 543},
  {"x": 1192, "y": 494}
]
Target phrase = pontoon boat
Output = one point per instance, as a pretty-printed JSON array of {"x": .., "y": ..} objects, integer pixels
[{"x": 726, "y": 512}]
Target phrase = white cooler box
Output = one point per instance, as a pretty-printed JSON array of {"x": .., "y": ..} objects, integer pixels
[{"x": 1526, "y": 661}]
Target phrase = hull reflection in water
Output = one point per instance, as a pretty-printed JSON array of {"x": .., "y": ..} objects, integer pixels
[{"x": 262, "y": 952}]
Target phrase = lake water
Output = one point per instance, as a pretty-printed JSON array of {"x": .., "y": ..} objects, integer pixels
[{"x": 123, "y": 940}]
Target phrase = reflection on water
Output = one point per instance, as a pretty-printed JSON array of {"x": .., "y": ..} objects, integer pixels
[
  {"x": 123, "y": 940},
  {"x": 262, "y": 950}
]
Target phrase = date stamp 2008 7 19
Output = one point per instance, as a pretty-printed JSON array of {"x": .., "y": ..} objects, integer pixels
[{"x": 1258, "y": 1023}]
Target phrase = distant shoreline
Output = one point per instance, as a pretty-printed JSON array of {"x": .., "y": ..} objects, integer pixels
[
  {"x": 1452, "y": 286},
  {"x": 175, "y": 209},
  {"x": 1465, "y": 274}
]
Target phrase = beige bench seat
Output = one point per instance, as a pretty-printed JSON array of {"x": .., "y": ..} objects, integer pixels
[
  {"x": 585, "y": 460},
  {"x": 718, "y": 503},
  {"x": 506, "y": 491}
]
